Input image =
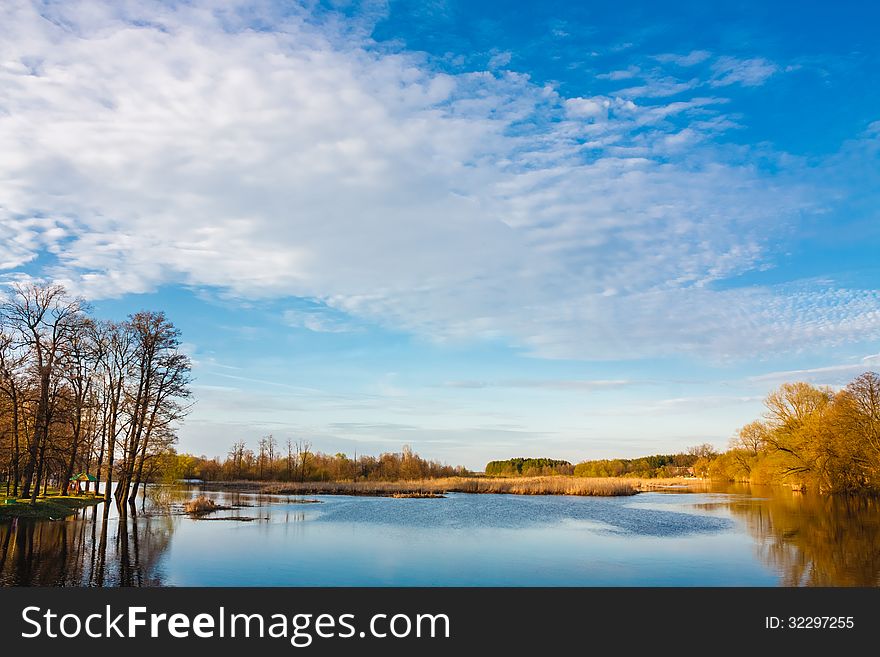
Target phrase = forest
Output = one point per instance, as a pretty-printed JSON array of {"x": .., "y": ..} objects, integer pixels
[
  {"x": 648, "y": 467},
  {"x": 80, "y": 395},
  {"x": 528, "y": 467},
  {"x": 645, "y": 467}
]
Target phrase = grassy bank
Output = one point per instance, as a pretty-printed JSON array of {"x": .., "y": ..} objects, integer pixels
[
  {"x": 553, "y": 485},
  {"x": 46, "y": 508}
]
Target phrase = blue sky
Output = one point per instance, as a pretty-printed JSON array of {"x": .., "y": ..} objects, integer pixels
[{"x": 482, "y": 229}]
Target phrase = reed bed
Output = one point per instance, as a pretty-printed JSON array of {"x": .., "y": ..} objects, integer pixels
[
  {"x": 554, "y": 485},
  {"x": 558, "y": 485},
  {"x": 201, "y": 504},
  {"x": 365, "y": 488},
  {"x": 671, "y": 483}
]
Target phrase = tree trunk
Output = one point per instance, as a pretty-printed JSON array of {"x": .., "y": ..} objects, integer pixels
[
  {"x": 77, "y": 429},
  {"x": 15, "y": 445},
  {"x": 100, "y": 462},
  {"x": 29, "y": 467},
  {"x": 139, "y": 473},
  {"x": 146, "y": 441},
  {"x": 108, "y": 486},
  {"x": 38, "y": 477},
  {"x": 134, "y": 436},
  {"x": 111, "y": 440},
  {"x": 41, "y": 430}
]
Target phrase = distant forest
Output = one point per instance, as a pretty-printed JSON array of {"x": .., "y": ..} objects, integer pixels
[
  {"x": 528, "y": 467},
  {"x": 295, "y": 460},
  {"x": 646, "y": 467}
]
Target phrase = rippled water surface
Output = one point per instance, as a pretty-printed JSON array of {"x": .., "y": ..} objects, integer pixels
[{"x": 732, "y": 537}]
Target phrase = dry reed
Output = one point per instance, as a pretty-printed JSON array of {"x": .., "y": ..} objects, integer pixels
[
  {"x": 201, "y": 504},
  {"x": 552, "y": 485},
  {"x": 670, "y": 483}
]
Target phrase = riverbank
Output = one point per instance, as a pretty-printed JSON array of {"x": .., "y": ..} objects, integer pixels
[
  {"x": 46, "y": 508},
  {"x": 553, "y": 485}
]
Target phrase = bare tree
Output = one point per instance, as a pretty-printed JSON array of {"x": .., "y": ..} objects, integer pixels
[
  {"x": 751, "y": 438},
  {"x": 117, "y": 353},
  {"x": 271, "y": 444},
  {"x": 12, "y": 383},
  {"x": 77, "y": 393},
  {"x": 162, "y": 375},
  {"x": 303, "y": 452},
  {"x": 172, "y": 386},
  {"x": 43, "y": 319},
  {"x": 237, "y": 456},
  {"x": 263, "y": 447},
  {"x": 79, "y": 367},
  {"x": 863, "y": 395},
  {"x": 705, "y": 450}
]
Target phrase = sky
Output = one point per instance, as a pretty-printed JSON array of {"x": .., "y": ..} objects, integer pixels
[{"x": 483, "y": 229}]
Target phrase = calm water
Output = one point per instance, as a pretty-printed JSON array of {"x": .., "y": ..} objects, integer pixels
[{"x": 735, "y": 537}]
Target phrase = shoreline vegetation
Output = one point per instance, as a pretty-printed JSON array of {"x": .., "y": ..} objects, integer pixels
[
  {"x": 53, "y": 507},
  {"x": 428, "y": 488},
  {"x": 809, "y": 438}
]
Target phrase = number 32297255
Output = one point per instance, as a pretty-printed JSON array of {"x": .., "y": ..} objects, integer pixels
[{"x": 810, "y": 622}]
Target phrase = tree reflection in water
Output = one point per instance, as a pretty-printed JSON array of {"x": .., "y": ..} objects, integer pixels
[
  {"x": 813, "y": 540},
  {"x": 89, "y": 549}
]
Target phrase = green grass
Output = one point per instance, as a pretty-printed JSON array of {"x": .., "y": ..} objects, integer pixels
[{"x": 53, "y": 507}]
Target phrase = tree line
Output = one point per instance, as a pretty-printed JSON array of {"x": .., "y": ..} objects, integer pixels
[
  {"x": 295, "y": 460},
  {"x": 646, "y": 467},
  {"x": 83, "y": 395},
  {"x": 528, "y": 467},
  {"x": 811, "y": 437},
  {"x": 658, "y": 465}
]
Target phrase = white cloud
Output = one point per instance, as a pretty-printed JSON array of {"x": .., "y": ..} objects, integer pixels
[
  {"x": 725, "y": 69},
  {"x": 319, "y": 319},
  {"x": 696, "y": 404},
  {"x": 146, "y": 145},
  {"x": 747, "y": 72},
  {"x": 500, "y": 60},
  {"x": 691, "y": 59},
  {"x": 822, "y": 374},
  {"x": 660, "y": 87},
  {"x": 623, "y": 74},
  {"x": 588, "y": 108}
]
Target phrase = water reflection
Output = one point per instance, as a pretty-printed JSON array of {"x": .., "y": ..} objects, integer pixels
[
  {"x": 729, "y": 536},
  {"x": 90, "y": 549},
  {"x": 812, "y": 540}
]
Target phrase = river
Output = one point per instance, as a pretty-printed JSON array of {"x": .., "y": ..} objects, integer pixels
[{"x": 730, "y": 536}]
